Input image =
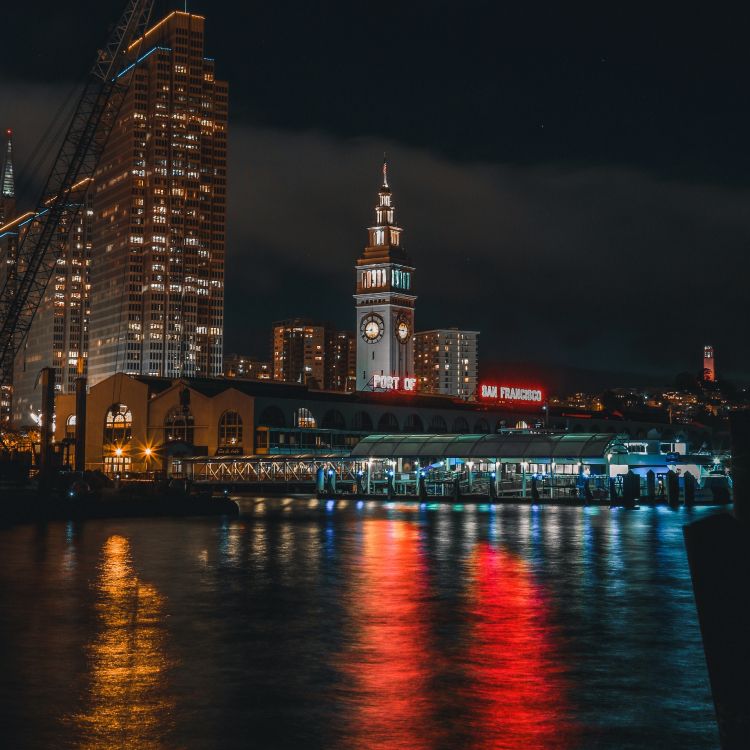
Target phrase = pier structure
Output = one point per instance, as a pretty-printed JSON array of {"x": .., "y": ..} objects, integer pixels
[{"x": 513, "y": 464}]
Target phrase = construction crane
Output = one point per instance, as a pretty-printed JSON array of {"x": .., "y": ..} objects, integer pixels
[{"x": 82, "y": 147}]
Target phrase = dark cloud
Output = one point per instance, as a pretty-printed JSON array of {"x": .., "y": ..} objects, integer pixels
[{"x": 600, "y": 266}]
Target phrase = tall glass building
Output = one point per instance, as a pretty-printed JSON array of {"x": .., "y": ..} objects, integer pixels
[
  {"x": 58, "y": 336},
  {"x": 159, "y": 202}
]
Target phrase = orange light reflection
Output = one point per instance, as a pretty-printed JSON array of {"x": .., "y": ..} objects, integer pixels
[{"x": 126, "y": 705}]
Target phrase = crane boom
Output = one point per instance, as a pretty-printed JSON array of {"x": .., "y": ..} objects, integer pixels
[{"x": 77, "y": 159}]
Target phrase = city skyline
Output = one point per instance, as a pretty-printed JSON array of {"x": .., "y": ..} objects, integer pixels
[
  {"x": 364, "y": 537},
  {"x": 560, "y": 252}
]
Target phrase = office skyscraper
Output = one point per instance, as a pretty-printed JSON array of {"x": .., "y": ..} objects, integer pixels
[
  {"x": 8, "y": 194},
  {"x": 8, "y": 246},
  {"x": 159, "y": 201},
  {"x": 58, "y": 337}
]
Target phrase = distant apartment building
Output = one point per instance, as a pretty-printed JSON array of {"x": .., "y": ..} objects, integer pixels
[
  {"x": 314, "y": 354},
  {"x": 298, "y": 352},
  {"x": 240, "y": 366},
  {"x": 159, "y": 200},
  {"x": 340, "y": 361},
  {"x": 446, "y": 362}
]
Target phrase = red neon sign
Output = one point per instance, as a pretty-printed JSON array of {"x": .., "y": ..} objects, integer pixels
[
  {"x": 393, "y": 383},
  {"x": 512, "y": 393}
]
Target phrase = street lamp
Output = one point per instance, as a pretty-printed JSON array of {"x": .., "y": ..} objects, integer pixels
[{"x": 147, "y": 451}]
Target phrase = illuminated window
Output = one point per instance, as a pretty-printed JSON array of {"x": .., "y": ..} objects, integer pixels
[
  {"x": 116, "y": 464},
  {"x": 70, "y": 426},
  {"x": 118, "y": 425},
  {"x": 304, "y": 418},
  {"x": 230, "y": 429}
]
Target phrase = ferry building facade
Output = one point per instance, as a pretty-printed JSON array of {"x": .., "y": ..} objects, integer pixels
[
  {"x": 143, "y": 423},
  {"x": 138, "y": 423}
]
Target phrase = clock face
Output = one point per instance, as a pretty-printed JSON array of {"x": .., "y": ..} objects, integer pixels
[
  {"x": 402, "y": 330},
  {"x": 371, "y": 328}
]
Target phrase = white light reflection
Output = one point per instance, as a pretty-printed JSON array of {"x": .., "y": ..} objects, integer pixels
[{"x": 259, "y": 546}]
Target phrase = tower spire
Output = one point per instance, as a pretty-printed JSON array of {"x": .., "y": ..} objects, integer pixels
[
  {"x": 385, "y": 300},
  {"x": 9, "y": 185}
]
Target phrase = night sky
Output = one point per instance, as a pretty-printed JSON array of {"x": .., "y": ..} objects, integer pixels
[{"x": 574, "y": 186}]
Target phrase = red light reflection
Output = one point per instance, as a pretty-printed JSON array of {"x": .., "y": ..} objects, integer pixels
[
  {"x": 497, "y": 682},
  {"x": 516, "y": 684},
  {"x": 387, "y": 662}
]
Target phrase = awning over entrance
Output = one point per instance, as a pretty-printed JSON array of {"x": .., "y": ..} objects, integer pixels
[{"x": 523, "y": 446}]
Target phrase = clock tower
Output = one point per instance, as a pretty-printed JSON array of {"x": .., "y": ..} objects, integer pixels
[{"x": 385, "y": 299}]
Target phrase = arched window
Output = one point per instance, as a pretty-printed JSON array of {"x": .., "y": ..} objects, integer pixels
[
  {"x": 460, "y": 425},
  {"x": 521, "y": 425},
  {"x": 304, "y": 418},
  {"x": 481, "y": 427},
  {"x": 437, "y": 424},
  {"x": 230, "y": 428},
  {"x": 70, "y": 426},
  {"x": 118, "y": 425},
  {"x": 388, "y": 423},
  {"x": 362, "y": 421},
  {"x": 179, "y": 425},
  {"x": 334, "y": 420},
  {"x": 413, "y": 423},
  {"x": 272, "y": 416}
]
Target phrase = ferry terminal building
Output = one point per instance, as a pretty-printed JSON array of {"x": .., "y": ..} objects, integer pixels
[{"x": 137, "y": 424}]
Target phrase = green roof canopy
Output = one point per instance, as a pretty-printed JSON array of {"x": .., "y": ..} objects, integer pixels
[{"x": 524, "y": 446}]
